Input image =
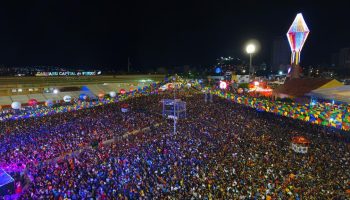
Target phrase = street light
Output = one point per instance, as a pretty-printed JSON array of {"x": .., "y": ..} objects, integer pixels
[{"x": 250, "y": 49}]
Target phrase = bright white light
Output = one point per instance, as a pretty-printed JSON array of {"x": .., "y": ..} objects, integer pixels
[
  {"x": 250, "y": 48},
  {"x": 67, "y": 98},
  {"x": 260, "y": 90},
  {"x": 223, "y": 85},
  {"x": 55, "y": 91},
  {"x": 298, "y": 26},
  {"x": 243, "y": 70},
  {"x": 263, "y": 90},
  {"x": 313, "y": 102},
  {"x": 256, "y": 83},
  {"x": 280, "y": 72}
]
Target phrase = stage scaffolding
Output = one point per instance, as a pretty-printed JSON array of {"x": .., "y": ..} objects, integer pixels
[{"x": 168, "y": 108}]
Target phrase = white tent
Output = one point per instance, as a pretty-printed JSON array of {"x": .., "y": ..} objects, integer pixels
[{"x": 341, "y": 93}]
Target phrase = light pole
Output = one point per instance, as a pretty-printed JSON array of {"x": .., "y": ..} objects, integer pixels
[
  {"x": 250, "y": 49},
  {"x": 174, "y": 79}
]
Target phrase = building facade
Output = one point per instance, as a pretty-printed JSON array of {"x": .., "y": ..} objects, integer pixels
[
  {"x": 344, "y": 58},
  {"x": 280, "y": 55}
]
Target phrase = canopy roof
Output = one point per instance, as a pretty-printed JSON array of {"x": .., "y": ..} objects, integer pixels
[
  {"x": 300, "y": 140},
  {"x": 341, "y": 93},
  {"x": 301, "y": 86}
]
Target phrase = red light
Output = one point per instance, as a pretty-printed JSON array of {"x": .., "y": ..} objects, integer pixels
[{"x": 32, "y": 102}]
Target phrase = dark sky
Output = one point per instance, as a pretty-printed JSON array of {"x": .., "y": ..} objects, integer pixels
[{"x": 162, "y": 33}]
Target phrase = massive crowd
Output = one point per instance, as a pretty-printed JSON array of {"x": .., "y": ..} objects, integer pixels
[
  {"x": 223, "y": 150},
  {"x": 34, "y": 140}
]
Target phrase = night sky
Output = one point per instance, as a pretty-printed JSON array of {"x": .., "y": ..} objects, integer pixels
[{"x": 164, "y": 33}]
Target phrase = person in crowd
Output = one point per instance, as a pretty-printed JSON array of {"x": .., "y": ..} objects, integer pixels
[{"x": 222, "y": 150}]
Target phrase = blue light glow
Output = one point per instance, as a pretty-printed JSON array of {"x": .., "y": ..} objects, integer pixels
[{"x": 218, "y": 70}]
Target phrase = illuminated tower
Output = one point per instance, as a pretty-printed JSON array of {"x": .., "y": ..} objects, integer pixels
[{"x": 297, "y": 35}]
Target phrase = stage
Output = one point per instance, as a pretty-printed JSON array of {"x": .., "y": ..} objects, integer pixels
[{"x": 6, "y": 183}]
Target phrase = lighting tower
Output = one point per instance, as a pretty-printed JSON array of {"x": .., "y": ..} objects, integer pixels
[{"x": 250, "y": 49}]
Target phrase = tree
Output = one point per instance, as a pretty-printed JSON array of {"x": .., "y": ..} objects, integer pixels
[{"x": 243, "y": 85}]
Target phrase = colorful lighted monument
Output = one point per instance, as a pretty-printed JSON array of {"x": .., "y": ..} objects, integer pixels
[{"x": 297, "y": 35}]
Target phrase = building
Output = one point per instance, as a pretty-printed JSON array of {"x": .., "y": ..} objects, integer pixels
[
  {"x": 344, "y": 58},
  {"x": 280, "y": 55},
  {"x": 335, "y": 59},
  {"x": 241, "y": 78}
]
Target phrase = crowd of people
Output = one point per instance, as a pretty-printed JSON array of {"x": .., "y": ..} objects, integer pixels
[
  {"x": 34, "y": 140},
  {"x": 222, "y": 150}
]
